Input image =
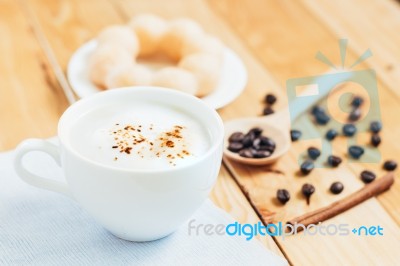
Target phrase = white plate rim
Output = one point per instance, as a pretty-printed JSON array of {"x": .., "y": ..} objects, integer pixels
[{"x": 231, "y": 84}]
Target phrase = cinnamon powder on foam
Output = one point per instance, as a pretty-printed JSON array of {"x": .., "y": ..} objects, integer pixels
[{"x": 170, "y": 144}]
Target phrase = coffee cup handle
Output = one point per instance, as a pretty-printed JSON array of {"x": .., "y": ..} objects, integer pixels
[{"x": 35, "y": 180}]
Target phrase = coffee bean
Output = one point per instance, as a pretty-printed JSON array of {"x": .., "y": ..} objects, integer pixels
[
  {"x": 267, "y": 141},
  {"x": 357, "y": 101},
  {"x": 261, "y": 154},
  {"x": 236, "y": 137},
  {"x": 334, "y": 161},
  {"x": 270, "y": 98},
  {"x": 256, "y": 131},
  {"x": 322, "y": 118},
  {"x": 257, "y": 143},
  {"x": 295, "y": 134},
  {"x": 283, "y": 195},
  {"x": 349, "y": 130},
  {"x": 336, "y": 188},
  {"x": 248, "y": 140},
  {"x": 235, "y": 146},
  {"x": 306, "y": 167},
  {"x": 268, "y": 110},
  {"x": 266, "y": 148},
  {"x": 317, "y": 110},
  {"x": 331, "y": 134},
  {"x": 313, "y": 153},
  {"x": 375, "y": 126},
  {"x": 367, "y": 176},
  {"x": 264, "y": 143},
  {"x": 247, "y": 153},
  {"x": 356, "y": 151},
  {"x": 390, "y": 165},
  {"x": 355, "y": 115},
  {"x": 307, "y": 191},
  {"x": 375, "y": 140}
]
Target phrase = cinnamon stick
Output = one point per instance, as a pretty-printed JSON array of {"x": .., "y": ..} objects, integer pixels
[{"x": 370, "y": 190}]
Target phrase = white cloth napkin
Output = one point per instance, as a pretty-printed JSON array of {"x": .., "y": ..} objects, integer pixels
[{"x": 38, "y": 227}]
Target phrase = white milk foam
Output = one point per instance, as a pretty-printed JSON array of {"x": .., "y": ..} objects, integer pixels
[{"x": 139, "y": 136}]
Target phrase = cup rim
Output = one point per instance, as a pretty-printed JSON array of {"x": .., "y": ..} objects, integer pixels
[{"x": 137, "y": 89}]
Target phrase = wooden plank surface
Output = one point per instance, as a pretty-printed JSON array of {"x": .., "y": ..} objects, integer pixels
[
  {"x": 30, "y": 99},
  {"x": 75, "y": 23},
  {"x": 287, "y": 49},
  {"x": 319, "y": 39},
  {"x": 381, "y": 36}
]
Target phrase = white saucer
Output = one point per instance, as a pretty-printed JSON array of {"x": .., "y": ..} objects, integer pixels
[{"x": 232, "y": 82}]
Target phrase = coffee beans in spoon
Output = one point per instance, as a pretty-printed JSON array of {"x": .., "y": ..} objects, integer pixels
[{"x": 252, "y": 144}]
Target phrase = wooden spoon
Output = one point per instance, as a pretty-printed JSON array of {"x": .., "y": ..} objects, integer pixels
[{"x": 277, "y": 126}]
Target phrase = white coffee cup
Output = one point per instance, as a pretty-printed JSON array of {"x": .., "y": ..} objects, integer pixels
[{"x": 136, "y": 205}]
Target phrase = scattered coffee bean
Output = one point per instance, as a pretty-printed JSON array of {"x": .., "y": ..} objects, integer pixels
[
  {"x": 235, "y": 146},
  {"x": 357, "y": 101},
  {"x": 317, "y": 110},
  {"x": 355, "y": 115},
  {"x": 375, "y": 140},
  {"x": 313, "y": 153},
  {"x": 270, "y": 99},
  {"x": 349, "y": 130},
  {"x": 337, "y": 187},
  {"x": 306, "y": 167},
  {"x": 256, "y": 131},
  {"x": 236, "y": 137},
  {"x": 268, "y": 110},
  {"x": 334, "y": 161},
  {"x": 322, "y": 118},
  {"x": 307, "y": 191},
  {"x": 356, "y": 151},
  {"x": 390, "y": 165},
  {"x": 283, "y": 195},
  {"x": 247, "y": 153},
  {"x": 331, "y": 134},
  {"x": 375, "y": 126},
  {"x": 367, "y": 176},
  {"x": 295, "y": 134}
]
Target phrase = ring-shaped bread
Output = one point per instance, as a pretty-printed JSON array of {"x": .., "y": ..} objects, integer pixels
[{"x": 198, "y": 57}]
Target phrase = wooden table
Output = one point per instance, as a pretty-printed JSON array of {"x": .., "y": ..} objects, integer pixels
[{"x": 277, "y": 40}]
